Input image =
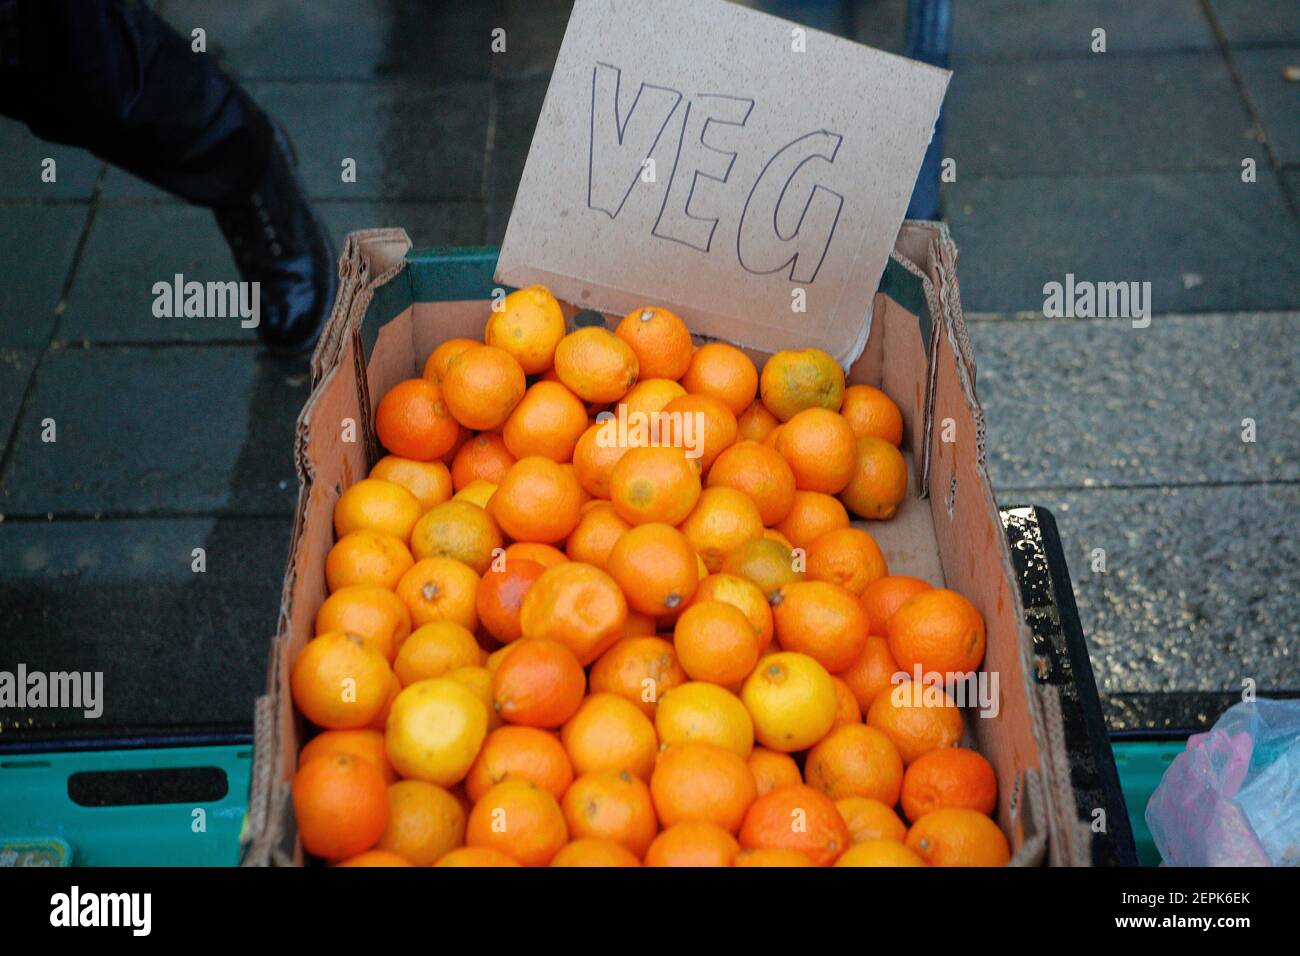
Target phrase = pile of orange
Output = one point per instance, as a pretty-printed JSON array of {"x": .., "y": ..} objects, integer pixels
[{"x": 547, "y": 642}]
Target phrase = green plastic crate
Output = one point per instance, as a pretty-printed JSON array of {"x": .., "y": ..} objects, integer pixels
[
  {"x": 1141, "y": 765},
  {"x": 42, "y": 824}
]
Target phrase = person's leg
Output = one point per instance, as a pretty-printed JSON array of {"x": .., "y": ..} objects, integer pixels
[{"x": 112, "y": 77}]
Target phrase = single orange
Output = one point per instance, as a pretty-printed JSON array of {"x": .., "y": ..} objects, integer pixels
[
  {"x": 477, "y": 492},
  {"x": 434, "y": 731},
  {"x": 872, "y": 414},
  {"x": 879, "y": 482},
  {"x": 756, "y": 422},
  {"x": 796, "y": 818},
  {"x": 880, "y": 853},
  {"x": 594, "y": 538},
  {"x": 722, "y": 520},
  {"x": 693, "y": 843},
  {"x": 482, "y": 386},
  {"x": 476, "y": 856},
  {"x": 723, "y": 372},
  {"x": 761, "y": 473},
  {"x": 848, "y": 557},
  {"x": 433, "y": 649},
  {"x": 938, "y": 631},
  {"x": 704, "y": 713},
  {"x": 365, "y": 743},
  {"x": 811, "y": 516},
  {"x": 955, "y": 836},
  {"x": 772, "y": 856},
  {"x": 544, "y": 554},
  {"x": 375, "y": 614},
  {"x": 425, "y": 822},
  {"x": 539, "y": 683},
  {"x": 440, "y": 589},
  {"x": 339, "y": 681},
  {"x": 576, "y": 605},
  {"x": 744, "y": 595},
  {"x": 500, "y": 597},
  {"x": 855, "y": 761},
  {"x": 702, "y": 424},
  {"x": 459, "y": 530},
  {"x": 797, "y": 379},
  {"x": 697, "y": 781},
  {"x": 650, "y": 395},
  {"x": 660, "y": 339},
  {"x": 872, "y": 673},
  {"x": 952, "y": 777},
  {"x": 379, "y": 506},
  {"x": 435, "y": 366},
  {"x": 596, "y": 365},
  {"x": 340, "y": 805},
  {"x": 767, "y": 563},
  {"x": 484, "y": 457},
  {"x": 917, "y": 719},
  {"x": 820, "y": 448},
  {"x": 772, "y": 769},
  {"x": 413, "y": 421},
  {"x": 597, "y": 452},
  {"x": 884, "y": 596},
  {"x": 715, "y": 642},
  {"x": 538, "y": 500},
  {"x": 654, "y": 484},
  {"x": 609, "y": 732},
  {"x": 520, "y": 819},
  {"x": 640, "y": 670},
  {"x": 791, "y": 700},
  {"x": 366, "y": 557},
  {"x": 612, "y": 805},
  {"x": 529, "y": 325},
  {"x": 593, "y": 852},
  {"x": 869, "y": 819},
  {"x": 548, "y": 421},
  {"x": 656, "y": 567},
  {"x": 520, "y": 753},
  {"x": 847, "y": 710},
  {"x": 822, "y": 620},
  {"x": 429, "y": 481}
]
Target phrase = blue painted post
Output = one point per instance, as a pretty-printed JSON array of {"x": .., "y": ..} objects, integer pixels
[{"x": 929, "y": 26}]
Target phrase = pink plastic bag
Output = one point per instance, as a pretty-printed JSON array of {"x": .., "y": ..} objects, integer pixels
[{"x": 1233, "y": 797}]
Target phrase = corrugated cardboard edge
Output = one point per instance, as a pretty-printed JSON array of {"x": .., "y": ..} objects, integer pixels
[{"x": 370, "y": 258}]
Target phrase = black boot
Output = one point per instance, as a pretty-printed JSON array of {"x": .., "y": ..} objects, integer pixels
[{"x": 277, "y": 241}]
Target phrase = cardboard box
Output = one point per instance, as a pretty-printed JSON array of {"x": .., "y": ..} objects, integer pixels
[{"x": 883, "y": 299}]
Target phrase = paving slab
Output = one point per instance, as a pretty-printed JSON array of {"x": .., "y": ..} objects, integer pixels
[
  {"x": 1276, "y": 98},
  {"x": 1077, "y": 403},
  {"x": 37, "y": 243},
  {"x": 1258, "y": 21},
  {"x": 162, "y": 430},
  {"x": 339, "y": 39},
  {"x": 1206, "y": 242},
  {"x": 427, "y": 223},
  {"x": 519, "y": 104},
  {"x": 129, "y": 249},
  {"x": 1196, "y": 594},
  {"x": 175, "y": 647},
  {"x": 22, "y": 156},
  {"x": 15, "y": 370},
  {"x": 1042, "y": 29},
  {"x": 1105, "y": 114},
  {"x": 410, "y": 140}
]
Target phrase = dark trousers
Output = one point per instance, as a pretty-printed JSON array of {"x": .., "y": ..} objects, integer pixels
[{"x": 112, "y": 77}]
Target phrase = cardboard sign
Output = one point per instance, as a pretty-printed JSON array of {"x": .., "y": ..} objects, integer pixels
[{"x": 744, "y": 171}]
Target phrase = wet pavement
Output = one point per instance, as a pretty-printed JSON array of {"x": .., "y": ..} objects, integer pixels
[{"x": 175, "y": 435}]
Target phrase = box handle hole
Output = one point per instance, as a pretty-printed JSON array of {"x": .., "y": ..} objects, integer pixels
[{"x": 124, "y": 788}]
